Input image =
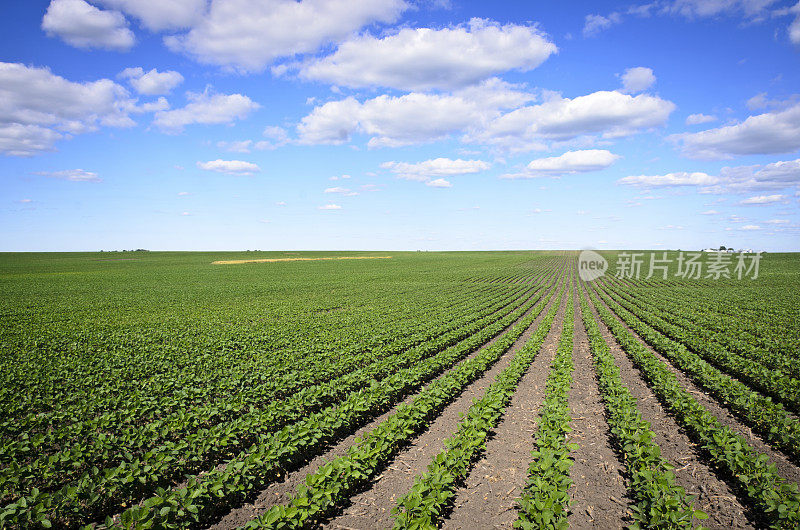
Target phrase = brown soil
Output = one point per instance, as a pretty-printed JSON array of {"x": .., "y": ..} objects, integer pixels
[
  {"x": 714, "y": 496},
  {"x": 372, "y": 508},
  {"x": 786, "y": 468},
  {"x": 599, "y": 496},
  {"x": 281, "y": 492},
  {"x": 488, "y": 498}
]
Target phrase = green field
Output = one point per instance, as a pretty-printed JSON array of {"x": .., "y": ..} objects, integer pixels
[{"x": 157, "y": 390}]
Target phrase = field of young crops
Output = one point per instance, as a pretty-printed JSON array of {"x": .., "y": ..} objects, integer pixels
[{"x": 456, "y": 390}]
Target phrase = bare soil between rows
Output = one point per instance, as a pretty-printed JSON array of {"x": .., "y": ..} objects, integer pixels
[
  {"x": 281, "y": 492},
  {"x": 714, "y": 496}
]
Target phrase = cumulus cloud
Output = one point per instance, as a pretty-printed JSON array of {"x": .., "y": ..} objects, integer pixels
[
  {"x": 439, "y": 183},
  {"x": 768, "y": 133},
  {"x": 569, "y": 163},
  {"x": 390, "y": 121},
  {"x": 637, "y": 79},
  {"x": 232, "y": 167},
  {"x": 37, "y": 108},
  {"x": 151, "y": 83},
  {"x": 409, "y": 119},
  {"x": 482, "y": 115},
  {"x": 72, "y": 175},
  {"x": 434, "y": 170},
  {"x": 205, "y": 108},
  {"x": 764, "y": 199},
  {"x": 696, "y": 119},
  {"x": 425, "y": 58},
  {"x": 251, "y": 34},
  {"x": 670, "y": 179},
  {"x": 610, "y": 114},
  {"x": 330, "y": 207},
  {"x": 775, "y": 176},
  {"x": 84, "y": 26},
  {"x": 158, "y": 15}
]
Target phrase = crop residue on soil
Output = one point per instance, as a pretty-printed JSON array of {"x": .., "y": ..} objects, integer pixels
[{"x": 272, "y": 260}]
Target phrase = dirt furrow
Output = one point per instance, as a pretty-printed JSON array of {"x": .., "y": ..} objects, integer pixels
[
  {"x": 714, "y": 496},
  {"x": 372, "y": 508},
  {"x": 281, "y": 492},
  {"x": 487, "y": 500},
  {"x": 598, "y": 494},
  {"x": 786, "y": 468}
]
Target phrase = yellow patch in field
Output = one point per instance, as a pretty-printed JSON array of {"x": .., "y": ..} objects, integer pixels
[{"x": 273, "y": 260}]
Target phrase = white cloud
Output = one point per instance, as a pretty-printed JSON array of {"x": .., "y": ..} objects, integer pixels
[
  {"x": 778, "y": 221},
  {"x": 794, "y": 31},
  {"x": 439, "y": 183},
  {"x": 37, "y": 108},
  {"x": 151, "y": 83},
  {"x": 774, "y": 176},
  {"x": 594, "y": 24},
  {"x": 277, "y": 138},
  {"x": 710, "y": 212},
  {"x": 207, "y": 109},
  {"x": 568, "y": 163},
  {"x": 425, "y": 58},
  {"x": 771, "y": 132},
  {"x": 477, "y": 113},
  {"x": 696, "y": 119},
  {"x": 750, "y": 227},
  {"x": 433, "y": 170},
  {"x": 330, "y": 207},
  {"x": 72, "y": 175},
  {"x": 342, "y": 191},
  {"x": 158, "y": 15},
  {"x": 764, "y": 199},
  {"x": 251, "y": 34},
  {"x": 17, "y": 139},
  {"x": 232, "y": 167},
  {"x": 411, "y": 118},
  {"x": 670, "y": 179},
  {"x": 82, "y": 25},
  {"x": 390, "y": 121},
  {"x": 741, "y": 179},
  {"x": 637, "y": 79},
  {"x": 611, "y": 114}
]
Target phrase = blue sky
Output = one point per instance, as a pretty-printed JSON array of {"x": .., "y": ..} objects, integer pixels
[{"x": 392, "y": 124}]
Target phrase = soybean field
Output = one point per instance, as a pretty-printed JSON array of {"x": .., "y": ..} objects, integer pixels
[{"x": 360, "y": 390}]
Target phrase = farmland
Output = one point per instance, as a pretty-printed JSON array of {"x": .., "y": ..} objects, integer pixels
[{"x": 455, "y": 390}]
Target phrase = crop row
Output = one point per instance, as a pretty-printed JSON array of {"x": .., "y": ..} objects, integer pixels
[
  {"x": 544, "y": 502},
  {"x": 164, "y": 390},
  {"x": 752, "y": 339},
  {"x": 761, "y": 413},
  {"x": 209, "y": 494},
  {"x": 754, "y": 368},
  {"x": 659, "y": 501},
  {"x": 776, "y": 500},
  {"x": 231, "y": 423},
  {"x": 433, "y": 492},
  {"x": 98, "y": 492}
]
